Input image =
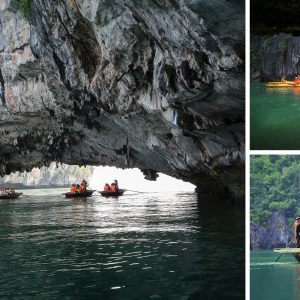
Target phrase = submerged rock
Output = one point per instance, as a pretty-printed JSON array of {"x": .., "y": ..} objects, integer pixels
[{"x": 157, "y": 85}]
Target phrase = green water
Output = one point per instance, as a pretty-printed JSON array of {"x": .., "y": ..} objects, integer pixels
[
  {"x": 140, "y": 246},
  {"x": 274, "y": 118},
  {"x": 270, "y": 280}
]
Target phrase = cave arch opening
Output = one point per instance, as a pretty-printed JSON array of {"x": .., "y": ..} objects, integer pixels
[
  {"x": 134, "y": 179},
  {"x": 62, "y": 175}
]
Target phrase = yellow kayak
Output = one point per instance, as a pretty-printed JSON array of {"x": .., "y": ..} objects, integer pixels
[{"x": 281, "y": 84}]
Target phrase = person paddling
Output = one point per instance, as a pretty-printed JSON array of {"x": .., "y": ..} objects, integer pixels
[
  {"x": 297, "y": 231},
  {"x": 297, "y": 80}
]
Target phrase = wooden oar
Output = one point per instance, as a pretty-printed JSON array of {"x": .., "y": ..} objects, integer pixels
[
  {"x": 286, "y": 247},
  {"x": 279, "y": 257}
]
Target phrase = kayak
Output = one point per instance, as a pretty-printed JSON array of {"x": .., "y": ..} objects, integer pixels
[
  {"x": 11, "y": 196},
  {"x": 117, "y": 193},
  {"x": 281, "y": 84},
  {"x": 87, "y": 193},
  {"x": 294, "y": 251}
]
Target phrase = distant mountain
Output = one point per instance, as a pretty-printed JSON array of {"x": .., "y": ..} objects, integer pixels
[
  {"x": 274, "y": 199},
  {"x": 57, "y": 175}
]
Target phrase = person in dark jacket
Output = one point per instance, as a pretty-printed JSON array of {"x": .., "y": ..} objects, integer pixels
[{"x": 297, "y": 231}]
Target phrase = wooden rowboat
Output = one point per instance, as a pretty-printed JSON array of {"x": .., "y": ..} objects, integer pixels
[
  {"x": 10, "y": 196},
  {"x": 117, "y": 193},
  {"x": 87, "y": 193},
  {"x": 293, "y": 251}
]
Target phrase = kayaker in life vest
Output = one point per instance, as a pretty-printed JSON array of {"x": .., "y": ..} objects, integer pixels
[
  {"x": 297, "y": 80},
  {"x": 297, "y": 231},
  {"x": 106, "y": 187},
  {"x": 77, "y": 189},
  {"x": 73, "y": 188}
]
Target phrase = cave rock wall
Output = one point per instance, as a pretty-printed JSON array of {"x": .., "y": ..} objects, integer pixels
[
  {"x": 157, "y": 85},
  {"x": 279, "y": 56}
]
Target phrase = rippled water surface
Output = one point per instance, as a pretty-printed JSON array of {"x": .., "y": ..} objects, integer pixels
[
  {"x": 139, "y": 246},
  {"x": 275, "y": 118},
  {"x": 274, "y": 280}
]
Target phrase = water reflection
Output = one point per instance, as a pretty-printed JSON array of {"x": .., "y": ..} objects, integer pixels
[
  {"x": 275, "y": 115},
  {"x": 147, "y": 246}
]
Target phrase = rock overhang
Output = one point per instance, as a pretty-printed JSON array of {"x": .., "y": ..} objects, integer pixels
[{"x": 125, "y": 84}]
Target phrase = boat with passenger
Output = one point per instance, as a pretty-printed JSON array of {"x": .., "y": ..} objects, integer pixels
[
  {"x": 87, "y": 193},
  {"x": 293, "y": 251},
  {"x": 112, "y": 190},
  {"x": 79, "y": 190},
  {"x": 10, "y": 196},
  {"x": 116, "y": 193},
  {"x": 9, "y": 193},
  {"x": 279, "y": 84},
  {"x": 284, "y": 83}
]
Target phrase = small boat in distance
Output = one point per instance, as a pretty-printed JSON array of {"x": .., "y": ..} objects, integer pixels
[
  {"x": 87, "y": 193},
  {"x": 10, "y": 196},
  {"x": 116, "y": 193},
  {"x": 294, "y": 251}
]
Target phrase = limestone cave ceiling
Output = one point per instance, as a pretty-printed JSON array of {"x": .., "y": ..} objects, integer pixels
[
  {"x": 157, "y": 85},
  {"x": 268, "y": 17}
]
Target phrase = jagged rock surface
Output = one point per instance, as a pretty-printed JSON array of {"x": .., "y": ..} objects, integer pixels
[
  {"x": 157, "y": 85},
  {"x": 279, "y": 55},
  {"x": 277, "y": 233}
]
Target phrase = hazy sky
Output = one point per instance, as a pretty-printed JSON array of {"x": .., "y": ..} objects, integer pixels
[{"x": 133, "y": 179}]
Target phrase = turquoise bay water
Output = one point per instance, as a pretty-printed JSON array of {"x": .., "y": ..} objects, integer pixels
[
  {"x": 270, "y": 280},
  {"x": 274, "y": 118},
  {"x": 139, "y": 246}
]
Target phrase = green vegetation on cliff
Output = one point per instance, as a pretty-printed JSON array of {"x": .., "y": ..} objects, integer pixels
[
  {"x": 274, "y": 187},
  {"x": 23, "y": 6}
]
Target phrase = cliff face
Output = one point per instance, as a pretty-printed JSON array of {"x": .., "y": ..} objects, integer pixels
[
  {"x": 279, "y": 55},
  {"x": 54, "y": 175},
  {"x": 157, "y": 85},
  {"x": 275, "y": 39},
  {"x": 276, "y": 234}
]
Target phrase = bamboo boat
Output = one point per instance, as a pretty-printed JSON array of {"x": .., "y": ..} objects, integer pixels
[{"x": 293, "y": 251}]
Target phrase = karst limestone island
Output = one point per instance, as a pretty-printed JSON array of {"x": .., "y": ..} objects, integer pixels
[
  {"x": 157, "y": 85},
  {"x": 275, "y": 40}
]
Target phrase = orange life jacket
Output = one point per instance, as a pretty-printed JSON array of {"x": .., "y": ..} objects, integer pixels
[
  {"x": 297, "y": 81},
  {"x": 73, "y": 189}
]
